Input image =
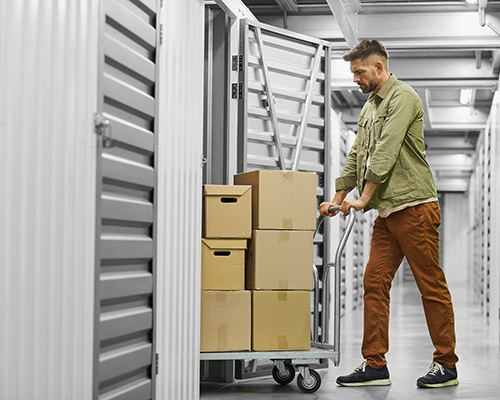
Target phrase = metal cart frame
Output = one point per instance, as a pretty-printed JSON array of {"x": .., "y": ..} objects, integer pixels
[{"x": 286, "y": 362}]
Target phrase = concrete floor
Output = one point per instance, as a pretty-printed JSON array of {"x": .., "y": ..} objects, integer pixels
[{"x": 409, "y": 358}]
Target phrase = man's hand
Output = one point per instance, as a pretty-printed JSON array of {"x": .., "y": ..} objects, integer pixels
[
  {"x": 347, "y": 204},
  {"x": 324, "y": 209}
]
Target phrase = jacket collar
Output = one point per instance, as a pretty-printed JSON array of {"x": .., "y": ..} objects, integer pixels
[{"x": 384, "y": 90}]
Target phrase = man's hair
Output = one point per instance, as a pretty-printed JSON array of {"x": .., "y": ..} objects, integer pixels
[{"x": 366, "y": 49}]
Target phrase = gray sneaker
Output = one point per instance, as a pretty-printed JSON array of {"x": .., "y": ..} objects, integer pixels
[
  {"x": 365, "y": 375},
  {"x": 438, "y": 376}
]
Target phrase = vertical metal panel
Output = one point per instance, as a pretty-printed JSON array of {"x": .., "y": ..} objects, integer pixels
[
  {"x": 180, "y": 143},
  {"x": 48, "y": 76},
  {"x": 494, "y": 210},
  {"x": 125, "y": 358}
]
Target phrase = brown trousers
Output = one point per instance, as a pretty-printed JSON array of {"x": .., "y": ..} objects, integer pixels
[{"x": 411, "y": 232}]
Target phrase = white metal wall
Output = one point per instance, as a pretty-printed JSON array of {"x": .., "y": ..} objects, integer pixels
[
  {"x": 484, "y": 221},
  {"x": 48, "y": 70},
  {"x": 180, "y": 139}
]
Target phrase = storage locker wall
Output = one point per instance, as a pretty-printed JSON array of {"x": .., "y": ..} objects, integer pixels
[
  {"x": 484, "y": 227},
  {"x": 179, "y": 163},
  {"x": 48, "y": 95}
]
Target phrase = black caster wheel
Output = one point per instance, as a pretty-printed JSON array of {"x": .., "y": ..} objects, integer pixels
[
  {"x": 312, "y": 384},
  {"x": 286, "y": 376}
]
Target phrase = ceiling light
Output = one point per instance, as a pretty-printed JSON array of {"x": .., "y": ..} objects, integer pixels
[
  {"x": 471, "y": 1},
  {"x": 465, "y": 96}
]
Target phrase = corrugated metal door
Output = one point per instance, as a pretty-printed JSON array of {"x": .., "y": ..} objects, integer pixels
[
  {"x": 284, "y": 94},
  {"x": 125, "y": 362}
]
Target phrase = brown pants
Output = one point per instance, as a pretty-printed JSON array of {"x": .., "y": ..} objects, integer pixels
[{"x": 411, "y": 232}]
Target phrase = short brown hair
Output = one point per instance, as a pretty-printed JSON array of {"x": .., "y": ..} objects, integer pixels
[{"x": 365, "y": 49}]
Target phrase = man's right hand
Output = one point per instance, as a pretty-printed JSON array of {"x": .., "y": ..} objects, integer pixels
[{"x": 324, "y": 207}]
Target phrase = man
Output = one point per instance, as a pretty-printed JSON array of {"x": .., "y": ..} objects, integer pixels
[{"x": 387, "y": 163}]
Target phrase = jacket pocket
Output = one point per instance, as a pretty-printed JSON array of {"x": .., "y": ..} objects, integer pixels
[{"x": 399, "y": 183}]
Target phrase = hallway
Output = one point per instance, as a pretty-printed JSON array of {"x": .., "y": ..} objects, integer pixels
[{"x": 409, "y": 358}]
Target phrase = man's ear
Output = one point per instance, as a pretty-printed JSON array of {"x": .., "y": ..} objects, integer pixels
[{"x": 379, "y": 67}]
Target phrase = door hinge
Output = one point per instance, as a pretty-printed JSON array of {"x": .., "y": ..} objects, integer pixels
[
  {"x": 161, "y": 34},
  {"x": 237, "y": 64},
  {"x": 157, "y": 362},
  {"x": 102, "y": 127},
  {"x": 237, "y": 90}
]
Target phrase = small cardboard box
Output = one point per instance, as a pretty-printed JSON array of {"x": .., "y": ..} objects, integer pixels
[
  {"x": 223, "y": 264},
  {"x": 281, "y": 320},
  {"x": 227, "y": 211},
  {"x": 281, "y": 199},
  {"x": 225, "y": 321},
  {"x": 280, "y": 260}
]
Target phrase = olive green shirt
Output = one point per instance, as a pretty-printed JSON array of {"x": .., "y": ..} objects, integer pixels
[{"x": 394, "y": 140}]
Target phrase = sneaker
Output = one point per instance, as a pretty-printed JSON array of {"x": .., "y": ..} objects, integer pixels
[
  {"x": 438, "y": 376},
  {"x": 365, "y": 375}
]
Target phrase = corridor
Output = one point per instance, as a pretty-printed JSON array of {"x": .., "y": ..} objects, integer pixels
[{"x": 409, "y": 357}]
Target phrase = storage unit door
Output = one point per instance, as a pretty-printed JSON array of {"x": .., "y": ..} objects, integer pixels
[
  {"x": 125, "y": 362},
  {"x": 284, "y": 106}
]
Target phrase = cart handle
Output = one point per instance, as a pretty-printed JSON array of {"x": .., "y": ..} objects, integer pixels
[{"x": 326, "y": 298}]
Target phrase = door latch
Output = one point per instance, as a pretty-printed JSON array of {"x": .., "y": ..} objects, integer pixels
[{"x": 102, "y": 127}]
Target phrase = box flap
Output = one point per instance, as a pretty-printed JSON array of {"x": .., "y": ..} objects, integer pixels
[
  {"x": 239, "y": 244},
  {"x": 225, "y": 190}
]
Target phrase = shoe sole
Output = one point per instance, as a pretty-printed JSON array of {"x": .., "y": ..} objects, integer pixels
[
  {"x": 452, "y": 382},
  {"x": 378, "y": 382}
]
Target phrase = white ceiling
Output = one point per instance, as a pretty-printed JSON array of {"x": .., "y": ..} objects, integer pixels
[{"x": 438, "y": 47}]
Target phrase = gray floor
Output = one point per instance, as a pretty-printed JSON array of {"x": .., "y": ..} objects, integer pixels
[{"x": 408, "y": 358}]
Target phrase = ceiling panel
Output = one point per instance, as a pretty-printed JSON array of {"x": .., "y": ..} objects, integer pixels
[{"x": 439, "y": 47}]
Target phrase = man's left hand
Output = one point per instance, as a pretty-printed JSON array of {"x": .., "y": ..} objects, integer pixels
[{"x": 347, "y": 204}]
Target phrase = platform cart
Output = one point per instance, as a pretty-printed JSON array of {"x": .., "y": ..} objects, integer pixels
[{"x": 286, "y": 363}]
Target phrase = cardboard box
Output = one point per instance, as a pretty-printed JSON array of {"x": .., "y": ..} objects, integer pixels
[
  {"x": 227, "y": 211},
  {"x": 280, "y": 260},
  {"x": 223, "y": 264},
  {"x": 281, "y": 199},
  {"x": 281, "y": 320},
  {"x": 225, "y": 321}
]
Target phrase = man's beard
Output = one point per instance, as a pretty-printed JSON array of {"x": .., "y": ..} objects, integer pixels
[{"x": 372, "y": 85}]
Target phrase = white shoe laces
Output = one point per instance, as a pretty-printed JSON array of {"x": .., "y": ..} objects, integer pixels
[
  {"x": 362, "y": 367},
  {"x": 436, "y": 368}
]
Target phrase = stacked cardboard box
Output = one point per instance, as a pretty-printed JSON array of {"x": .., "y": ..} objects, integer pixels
[
  {"x": 280, "y": 257},
  {"x": 225, "y": 304}
]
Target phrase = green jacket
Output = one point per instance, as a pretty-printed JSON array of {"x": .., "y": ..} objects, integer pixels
[{"x": 395, "y": 142}]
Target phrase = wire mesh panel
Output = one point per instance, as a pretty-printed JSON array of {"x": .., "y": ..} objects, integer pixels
[{"x": 125, "y": 366}]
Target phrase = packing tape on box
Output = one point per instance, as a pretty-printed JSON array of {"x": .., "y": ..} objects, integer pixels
[
  {"x": 287, "y": 223},
  {"x": 222, "y": 336},
  {"x": 282, "y": 284},
  {"x": 282, "y": 342},
  {"x": 221, "y": 297},
  {"x": 282, "y": 296},
  {"x": 284, "y": 237}
]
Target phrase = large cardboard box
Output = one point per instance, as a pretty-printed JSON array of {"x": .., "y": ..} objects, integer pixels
[
  {"x": 280, "y": 260},
  {"x": 281, "y": 320},
  {"x": 225, "y": 321},
  {"x": 281, "y": 199},
  {"x": 227, "y": 211},
  {"x": 223, "y": 264}
]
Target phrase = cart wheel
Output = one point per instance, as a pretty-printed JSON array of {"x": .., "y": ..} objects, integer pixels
[
  {"x": 310, "y": 386},
  {"x": 285, "y": 377}
]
